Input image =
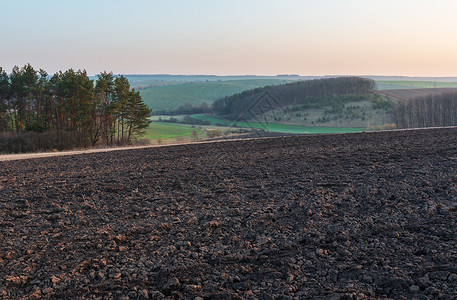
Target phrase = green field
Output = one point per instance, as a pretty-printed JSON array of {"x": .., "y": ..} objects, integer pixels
[
  {"x": 391, "y": 85},
  {"x": 276, "y": 127},
  {"x": 160, "y": 130},
  {"x": 171, "y": 97},
  {"x": 175, "y": 91}
]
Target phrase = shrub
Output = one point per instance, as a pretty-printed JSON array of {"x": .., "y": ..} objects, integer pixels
[
  {"x": 143, "y": 142},
  {"x": 211, "y": 133},
  {"x": 23, "y": 142}
]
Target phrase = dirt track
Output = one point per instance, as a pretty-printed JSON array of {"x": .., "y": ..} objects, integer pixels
[
  {"x": 331, "y": 217},
  {"x": 249, "y": 136}
]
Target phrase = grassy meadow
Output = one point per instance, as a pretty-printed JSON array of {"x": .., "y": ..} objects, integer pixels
[
  {"x": 164, "y": 131},
  {"x": 277, "y": 127}
]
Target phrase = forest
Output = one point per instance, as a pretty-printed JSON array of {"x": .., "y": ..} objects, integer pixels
[
  {"x": 434, "y": 110},
  {"x": 67, "y": 110},
  {"x": 310, "y": 92}
]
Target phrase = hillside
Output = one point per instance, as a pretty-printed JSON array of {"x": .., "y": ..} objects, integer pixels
[
  {"x": 276, "y": 127},
  {"x": 174, "y": 95},
  {"x": 143, "y": 81},
  {"x": 325, "y": 94},
  {"x": 165, "y": 92},
  {"x": 353, "y": 216}
]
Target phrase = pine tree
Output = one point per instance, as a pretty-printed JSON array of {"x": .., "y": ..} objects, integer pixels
[
  {"x": 4, "y": 96},
  {"x": 138, "y": 115},
  {"x": 70, "y": 107},
  {"x": 104, "y": 88},
  {"x": 120, "y": 100}
]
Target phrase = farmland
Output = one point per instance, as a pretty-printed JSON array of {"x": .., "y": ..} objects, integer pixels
[
  {"x": 159, "y": 130},
  {"x": 407, "y": 94},
  {"x": 144, "y": 81},
  {"x": 394, "y": 85},
  {"x": 366, "y": 216},
  {"x": 172, "y": 92},
  {"x": 168, "y": 92},
  {"x": 277, "y": 127},
  {"x": 358, "y": 112},
  {"x": 170, "y": 97}
]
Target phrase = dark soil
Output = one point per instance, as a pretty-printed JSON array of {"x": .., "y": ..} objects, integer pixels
[
  {"x": 250, "y": 135},
  {"x": 349, "y": 216}
]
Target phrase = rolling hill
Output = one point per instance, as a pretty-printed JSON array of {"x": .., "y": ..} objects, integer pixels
[
  {"x": 163, "y": 92},
  {"x": 170, "y": 97}
]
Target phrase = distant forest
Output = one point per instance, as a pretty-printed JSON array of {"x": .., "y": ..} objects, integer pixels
[
  {"x": 435, "y": 110},
  {"x": 310, "y": 92},
  {"x": 67, "y": 110}
]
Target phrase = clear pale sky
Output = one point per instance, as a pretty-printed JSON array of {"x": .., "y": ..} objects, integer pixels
[{"x": 263, "y": 37}]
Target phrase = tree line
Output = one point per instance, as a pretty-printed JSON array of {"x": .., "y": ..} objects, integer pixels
[
  {"x": 69, "y": 108},
  {"x": 435, "y": 110},
  {"x": 296, "y": 93}
]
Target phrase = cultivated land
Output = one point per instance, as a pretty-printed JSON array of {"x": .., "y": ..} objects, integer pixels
[
  {"x": 277, "y": 127},
  {"x": 395, "y": 84},
  {"x": 369, "y": 215},
  {"x": 407, "y": 94},
  {"x": 165, "y": 94},
  {"x": 170, "y": 92},
  {"x": 160, "y": 130},
  {"x": 170, "y": 97}
]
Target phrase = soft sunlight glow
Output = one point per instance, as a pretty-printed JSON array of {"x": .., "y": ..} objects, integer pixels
[{"x": 357, "y": 37}]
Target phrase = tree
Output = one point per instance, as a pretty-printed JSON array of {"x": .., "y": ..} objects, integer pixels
[
  {"x": 4, "y": 96},
  {"x": 70, "y": 108},
  {"x": 120, "y": 104},
  {"x": 138, "y": 115},
  {"x": 104, "y": 88},
  {"x": 42, "y": 95}
]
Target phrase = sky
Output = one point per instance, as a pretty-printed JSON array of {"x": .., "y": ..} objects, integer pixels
[{"x": 236, "y": 37}]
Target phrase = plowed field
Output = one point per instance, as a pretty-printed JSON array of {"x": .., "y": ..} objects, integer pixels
[{"x": 351, "y": 216}]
